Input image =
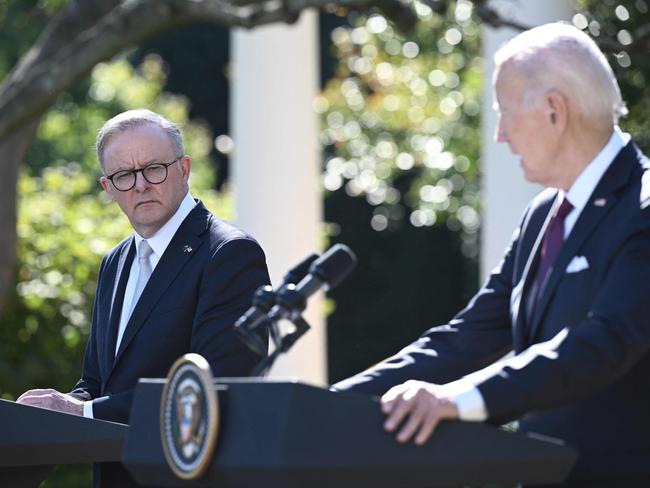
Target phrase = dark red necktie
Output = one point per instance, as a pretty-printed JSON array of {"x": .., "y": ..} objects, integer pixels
[{"x": 553, "y": 240}]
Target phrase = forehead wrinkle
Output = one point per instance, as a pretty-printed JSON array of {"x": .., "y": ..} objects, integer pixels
[
  {"x": 125, "y": 166},
  {"x": 141, "y": 165}
]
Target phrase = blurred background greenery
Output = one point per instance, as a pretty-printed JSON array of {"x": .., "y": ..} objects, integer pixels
[{"x": 401, "y": 173}]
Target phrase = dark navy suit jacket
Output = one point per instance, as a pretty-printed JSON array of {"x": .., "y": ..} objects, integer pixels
[
  {"x": 203, "y": 282},
  {"x": 582, "y": 366}
]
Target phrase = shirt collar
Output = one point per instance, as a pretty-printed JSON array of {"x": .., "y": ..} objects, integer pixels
[
  {"x": 161, "y": 239},
  {"x": 586, "y": 183}
]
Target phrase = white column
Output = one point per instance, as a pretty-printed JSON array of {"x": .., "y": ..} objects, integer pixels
[
  {"x": 276, "y": 162},
  {"x": 505, "y": 192}
]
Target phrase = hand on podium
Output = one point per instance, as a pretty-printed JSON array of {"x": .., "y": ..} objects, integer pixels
[
  {"x": 422, "y": 405},
  {"x": 52, "y": 400}
]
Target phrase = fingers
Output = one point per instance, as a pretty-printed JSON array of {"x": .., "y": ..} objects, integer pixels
[
  {"x": 402, "y": 401},
  {"x": 393, "y": 396},
  {"x": 52, "y": 400},
  {"x": 417, "y": 404},
  {"x": 429, "y": 424},
  {"x": 31, "y": 397},
  {"x": 419, "y": 415},
  {"x": 398, "y": 402},
  {"x": 395, "y": 406}
]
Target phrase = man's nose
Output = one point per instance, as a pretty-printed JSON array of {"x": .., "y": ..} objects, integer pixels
[{"x": 141, "y": 183}]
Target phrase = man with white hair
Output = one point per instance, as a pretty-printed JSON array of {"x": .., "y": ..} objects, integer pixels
[{"x": 571, "y": 297}]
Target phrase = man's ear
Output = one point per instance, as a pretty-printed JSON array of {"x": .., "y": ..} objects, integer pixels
[
  {"x": 557, "y": 109},
  {"x": 107, "y": 186},
  {"x": 186, "y": 166}
]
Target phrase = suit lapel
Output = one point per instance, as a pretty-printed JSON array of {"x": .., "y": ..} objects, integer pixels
[
  {"x": 599, "y": 204},
  {"x": 180, "y": 250},
  {"x": 527, "y": 279},
  {"x": 112, "y": 301}
]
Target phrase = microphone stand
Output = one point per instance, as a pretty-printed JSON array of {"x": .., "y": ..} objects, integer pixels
[
  {"x": 282, "y": 343},
  {"x": 315, "y": 273},
  {"x": 287, "y": 299}
]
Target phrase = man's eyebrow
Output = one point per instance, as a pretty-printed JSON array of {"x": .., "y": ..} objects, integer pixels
[{"x": 121, "y": 167}]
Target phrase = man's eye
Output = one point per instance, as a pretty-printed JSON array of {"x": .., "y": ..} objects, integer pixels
[{"x": 155, "y": 168}]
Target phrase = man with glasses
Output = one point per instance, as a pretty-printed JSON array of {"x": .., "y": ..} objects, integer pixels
[{"x": 175, "y": 286}]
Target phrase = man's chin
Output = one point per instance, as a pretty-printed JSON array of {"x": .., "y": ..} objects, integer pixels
[
  {"x": 528, "y": 174},
  {"x": 522, "y": 165},
  {"x": 148, "y": 212},
  {"x": 147, "y": 224}
]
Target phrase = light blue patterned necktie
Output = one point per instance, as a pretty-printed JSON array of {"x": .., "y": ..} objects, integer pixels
[{"x": 144, "y": 251}]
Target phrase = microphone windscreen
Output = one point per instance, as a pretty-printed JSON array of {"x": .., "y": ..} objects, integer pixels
[
  {"x": 334, "y": 265},
  {"x": 300, "y": 270}
]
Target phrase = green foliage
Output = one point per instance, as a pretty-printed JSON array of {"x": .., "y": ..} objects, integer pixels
[
  {"x": 400, "y": 125},
  {"x": 407, "y": 109},
  {"x": 66, "y": 224},
  {"x": 624, "y": 21},
  {"x": 63, "y": 231}
]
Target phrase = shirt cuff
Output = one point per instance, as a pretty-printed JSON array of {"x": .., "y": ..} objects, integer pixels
[
  {"x": 468, "y": 400},
  {"x": 88, "y": 410}
]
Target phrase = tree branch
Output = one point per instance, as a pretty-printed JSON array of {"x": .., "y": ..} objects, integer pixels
[
  {"x": 640, "y": 37},
  {"x": 76, "y": 41},
  {"x": 13, "y": 149}
]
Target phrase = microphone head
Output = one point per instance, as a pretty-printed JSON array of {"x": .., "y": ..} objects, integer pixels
[
  {"x": 300, "y": 270},
  {"x": 334, "y": 265}
]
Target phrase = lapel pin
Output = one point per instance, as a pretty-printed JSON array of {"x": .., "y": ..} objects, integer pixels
[
  {"x": 600, "y": 202},
  {"x": 187, "y": 249}
]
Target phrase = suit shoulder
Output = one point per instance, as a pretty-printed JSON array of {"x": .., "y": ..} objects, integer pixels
[{"x": 222, "y": 232}]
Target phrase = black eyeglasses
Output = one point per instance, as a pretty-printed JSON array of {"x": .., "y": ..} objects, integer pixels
[{"x": 154, "y": 173}]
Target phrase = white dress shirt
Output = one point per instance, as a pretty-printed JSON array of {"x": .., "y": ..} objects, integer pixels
[
  {"x": 468, "y": 398},
  {"x": 158, "y": 242}
]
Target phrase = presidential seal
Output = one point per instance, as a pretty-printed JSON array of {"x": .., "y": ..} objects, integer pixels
[{"x": 189, "y": 417}]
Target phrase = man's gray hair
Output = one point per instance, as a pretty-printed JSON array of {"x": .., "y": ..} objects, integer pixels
[
  {"x": 560, "y": 56},
  {"x": 136, "y": 118}
]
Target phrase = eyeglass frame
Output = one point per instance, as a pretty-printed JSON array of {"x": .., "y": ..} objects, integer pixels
[{"x": 135, "y": 172}]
